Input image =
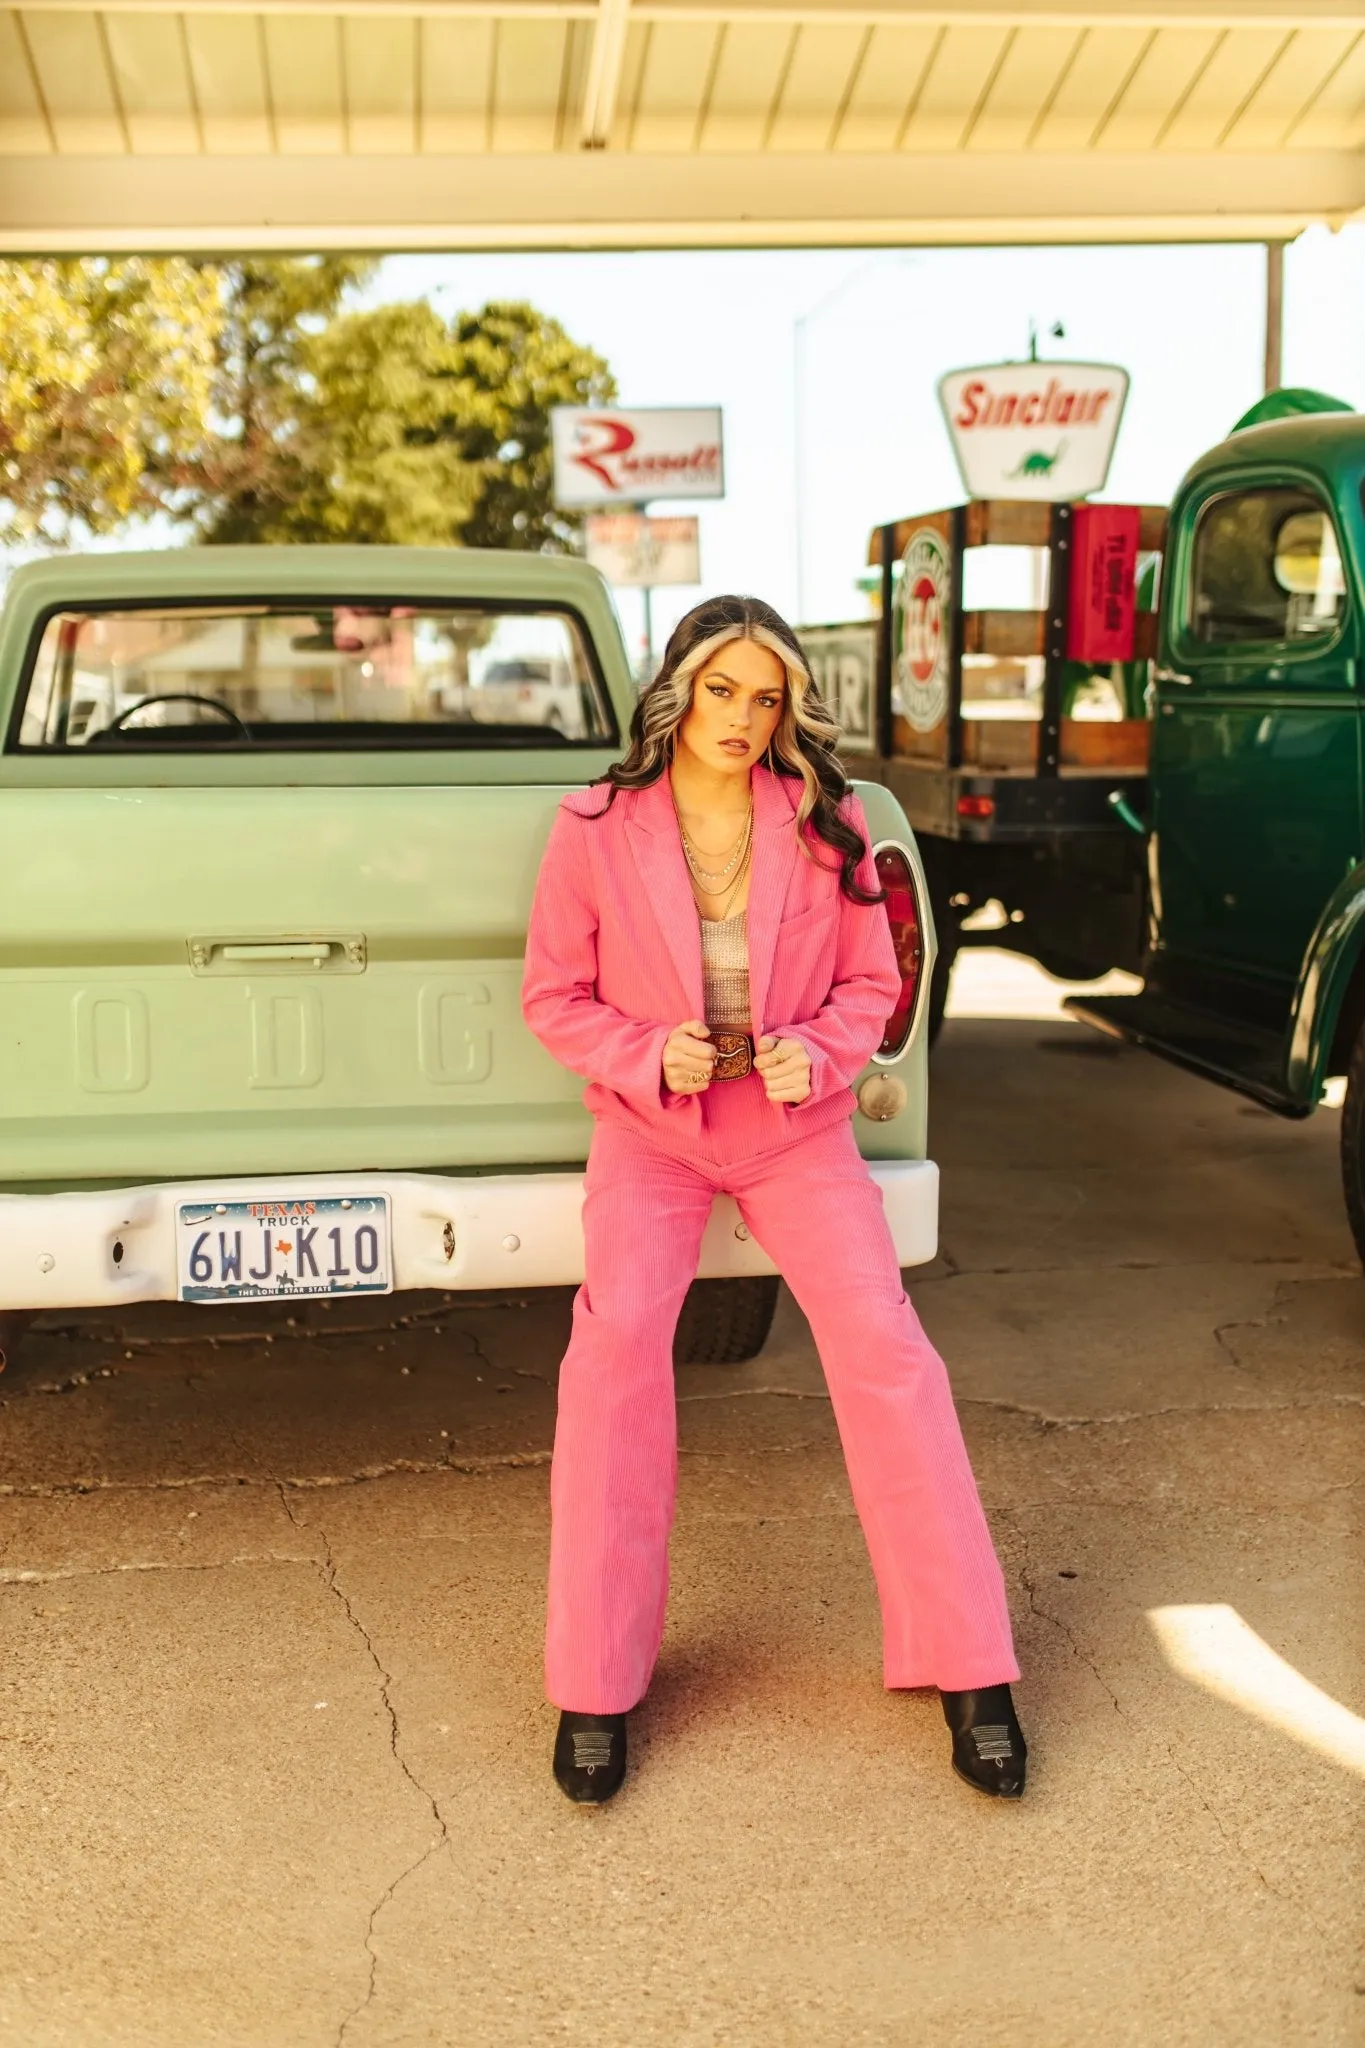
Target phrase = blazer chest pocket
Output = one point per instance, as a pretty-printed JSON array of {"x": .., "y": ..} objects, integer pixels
[{"x": 803, "y": 962}]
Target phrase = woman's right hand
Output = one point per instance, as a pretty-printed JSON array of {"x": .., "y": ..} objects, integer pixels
[{"x": 688, "y": 1057}]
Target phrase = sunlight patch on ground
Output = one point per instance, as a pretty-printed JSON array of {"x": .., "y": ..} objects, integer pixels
[
  {"x": 990, "y": 983},
  {"x": 1214, "y": 1648}
]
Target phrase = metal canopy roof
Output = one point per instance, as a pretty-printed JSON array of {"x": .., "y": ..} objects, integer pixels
[{"x": 609, "y": 123}]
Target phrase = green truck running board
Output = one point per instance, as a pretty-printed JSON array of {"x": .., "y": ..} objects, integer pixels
[{"x": 1237, "y": 1054}]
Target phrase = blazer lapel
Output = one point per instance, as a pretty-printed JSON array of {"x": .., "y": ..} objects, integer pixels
[
  {"x": 774, "y": 848},
  {"x": 652, "y": 831}
]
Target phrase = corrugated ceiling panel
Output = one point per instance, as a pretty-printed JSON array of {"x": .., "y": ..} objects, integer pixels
[
  {"x": 889, "y": 78},
  {"x": 1095, "y": 77},
  {"x": 303, "y": 78},
  {"x": 455, "y": 85},
  {"x": 1309, "y": 59},
  {"x": 1334, "y": 120},
  {"x": 677, "y": 66},
  {"x": 153, "y": 84},
  {"x": 23, "y": 130},
  {"x": 1158, "y": 87},
  {"x": 528, "y": 85},
  {"x": 963, "y": 67},
  {"x": 1034, "y": 66},
  {"x": 73, "y": 75},
  {"x": 748, "y": 78},
  {"x": 813, "y": 91},
  {"x": 632, "y": 79},
  {"x": 379, "y": 56},
  {"x": 1223, "y": 87},
  {"x": 227, "y": 67}
]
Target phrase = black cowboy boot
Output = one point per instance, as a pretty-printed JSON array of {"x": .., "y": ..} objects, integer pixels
[
  {"x": 988, "y": 1744},
  {"x": 590, "y": 1756}
]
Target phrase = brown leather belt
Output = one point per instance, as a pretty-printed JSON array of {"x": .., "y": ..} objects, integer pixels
[{"x": 734, "y": 1055}]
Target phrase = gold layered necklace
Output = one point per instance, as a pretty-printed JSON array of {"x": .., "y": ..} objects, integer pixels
[{"x": 726, "y": 880}]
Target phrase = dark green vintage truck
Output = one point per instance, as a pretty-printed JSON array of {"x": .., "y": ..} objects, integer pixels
[
  {"x": 1209, "y": 834},
  {"x": 1254, "y": 962}
]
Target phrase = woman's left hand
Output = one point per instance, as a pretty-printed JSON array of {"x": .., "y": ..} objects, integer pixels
[{"x": 784, "y": 1064}]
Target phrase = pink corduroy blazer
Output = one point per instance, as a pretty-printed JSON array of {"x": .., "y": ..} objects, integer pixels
[{"x": 613, "y": 957}]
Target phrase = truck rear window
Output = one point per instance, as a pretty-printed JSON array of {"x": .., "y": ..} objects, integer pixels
[{"x": 313, "y": 676}]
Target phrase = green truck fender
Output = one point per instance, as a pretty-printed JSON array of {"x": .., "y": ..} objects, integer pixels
[{"x": 1329, "y": 968}]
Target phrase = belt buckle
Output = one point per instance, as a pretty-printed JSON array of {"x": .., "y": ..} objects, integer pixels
[{"x": 734, "y": 1055}]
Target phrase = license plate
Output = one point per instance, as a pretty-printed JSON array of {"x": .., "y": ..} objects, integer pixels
[{"x": 249, "y": 1251}]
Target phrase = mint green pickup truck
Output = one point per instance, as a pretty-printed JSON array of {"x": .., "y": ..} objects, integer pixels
[{"x": 270, "y": 821}]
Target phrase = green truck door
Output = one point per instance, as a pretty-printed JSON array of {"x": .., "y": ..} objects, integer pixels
[{"x": 1255, "y": 768}]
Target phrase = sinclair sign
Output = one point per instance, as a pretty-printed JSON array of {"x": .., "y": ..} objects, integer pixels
[
  {"x": 1034, "y": 430},
  {"x": 619, "y": 456}
]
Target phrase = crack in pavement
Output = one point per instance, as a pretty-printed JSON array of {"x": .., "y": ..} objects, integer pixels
[
  {"x": 1232, "y": 1841},
  {"x": 65, "y": 1489},
  {"x": 25, "y": 1577},
  {"x": 327, "y": 1570},
  {"x": 1298, "y": 1270},
  {"x": 1275, "y": 1312},
  {"x": 499, "y": 1461}
]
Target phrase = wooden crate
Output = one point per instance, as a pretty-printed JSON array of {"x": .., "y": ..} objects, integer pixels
[{"x": 1106, "y": 743}]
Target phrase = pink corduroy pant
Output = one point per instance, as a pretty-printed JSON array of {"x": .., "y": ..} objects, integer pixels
[{"x": 817, "y": 1213}]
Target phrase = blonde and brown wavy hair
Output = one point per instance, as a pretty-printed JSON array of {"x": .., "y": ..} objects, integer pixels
[{"x": 802, "y": 748}]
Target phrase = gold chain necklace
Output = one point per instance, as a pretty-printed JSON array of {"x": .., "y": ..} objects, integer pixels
[
  {"x": 733, "y": 887},
  {"x": 693, "y": 855}
]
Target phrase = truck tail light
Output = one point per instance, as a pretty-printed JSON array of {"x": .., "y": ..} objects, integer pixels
[{"x": 897, "y": 878}]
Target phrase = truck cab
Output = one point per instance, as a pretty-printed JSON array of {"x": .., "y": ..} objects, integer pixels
[{"x": 1254, "y": 964}]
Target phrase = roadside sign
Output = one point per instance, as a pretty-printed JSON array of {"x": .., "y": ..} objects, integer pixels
[
  {"x": 926, "y": 606},
  {"x": 843, "y": 660},
  {"x": 636, "y": 553},
  {"x": 606, "y": 455},
  {"x": 1034, "y": 430}
]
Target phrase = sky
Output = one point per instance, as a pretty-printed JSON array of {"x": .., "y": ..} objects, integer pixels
[{"x": 840, "y": 351}]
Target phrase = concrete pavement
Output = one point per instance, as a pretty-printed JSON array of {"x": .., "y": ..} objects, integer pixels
[{"x": 272, "y": 1748}]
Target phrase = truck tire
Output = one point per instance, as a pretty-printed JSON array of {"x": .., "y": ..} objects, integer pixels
[
  {"x": 1353, "y": 1143},
  {"x": 724, "y": 1322}
]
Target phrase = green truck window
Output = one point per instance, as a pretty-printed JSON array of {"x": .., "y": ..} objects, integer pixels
[
  {"x": 303, "y": 675},
  {"x": 1267, "y": 568}
]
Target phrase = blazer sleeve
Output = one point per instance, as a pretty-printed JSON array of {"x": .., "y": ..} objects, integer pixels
[
  {"x": 847, "y": 1028},
  {"x": 559, "y": 988}
]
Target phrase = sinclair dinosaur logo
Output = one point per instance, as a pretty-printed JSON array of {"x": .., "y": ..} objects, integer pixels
[
  {"x": 926, "y": 597},
  {"x": 1034, "y": 430}
]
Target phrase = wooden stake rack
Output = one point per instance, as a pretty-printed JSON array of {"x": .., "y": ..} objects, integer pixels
[{"x": 1005, "y": 522}]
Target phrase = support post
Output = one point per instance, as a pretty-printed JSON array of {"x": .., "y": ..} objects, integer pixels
[
  {"x": 1274, "y": 315},
  {"x": 1054, "y": 643},
  {"x": 957, "y": 548},
  {"x": 882, "y": 730}
]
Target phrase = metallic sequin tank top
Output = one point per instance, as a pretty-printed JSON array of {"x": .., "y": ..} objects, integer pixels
[{"x": 725, "y": 972}]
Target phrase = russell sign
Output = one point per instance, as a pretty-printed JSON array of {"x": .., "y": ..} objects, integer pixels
[
  {"x": 615, "y": 456},
  {"x": 1034, "y": 430}
]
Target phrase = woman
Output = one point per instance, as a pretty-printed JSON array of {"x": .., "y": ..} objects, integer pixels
[{"x": 708, "y": 947}]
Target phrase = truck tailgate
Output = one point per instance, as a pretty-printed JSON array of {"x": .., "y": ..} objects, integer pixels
[{"x": 238, "y": 980}]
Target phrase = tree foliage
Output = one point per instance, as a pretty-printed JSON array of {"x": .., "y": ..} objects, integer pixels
[
  {"x": 237, "y": 484},
  {"x": 106, "y": 370},
  {"x": 243, "y": 400}
]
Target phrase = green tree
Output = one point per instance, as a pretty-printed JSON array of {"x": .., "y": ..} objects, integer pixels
[
  {"x": 239, "y": 482},
  {"x": 511, "y": 364},
  {"x": 106, "y": 374},
  {"x": 418, "y": 433},
  {"x": 383, "y": 464}
]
